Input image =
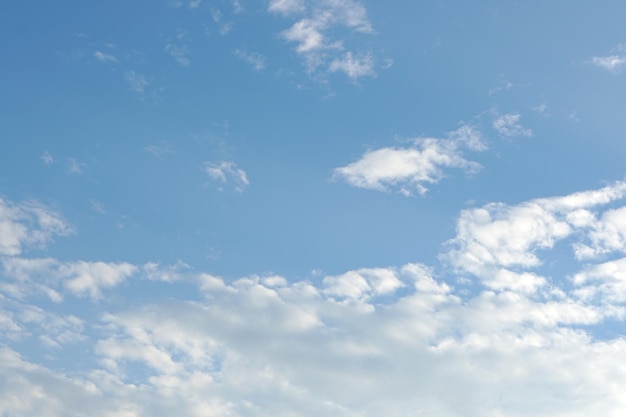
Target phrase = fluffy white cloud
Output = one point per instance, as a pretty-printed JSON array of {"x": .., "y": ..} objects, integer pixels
[
  {"x": 47, "y": 276},
  {"x": 28, "y": 224},
  {"x": 138, "y": 82},
  {"x": 104, "y": 57},
  {"x": 354, "y": 67},
  {"x": 314, "y": 39},
  {"x": 226, "y": 172},
  {"x": 180, "y": 53},
  {"x": 612, "y": 63},
  {"x": 369, "y": 342},
  {"x": 256, "y": 60},
  {"x": 286, "y": 6},
  {"x": 496, "y": 240},
  {"x": 409, "y": 169},
  {"x": 508, "y": 125}
]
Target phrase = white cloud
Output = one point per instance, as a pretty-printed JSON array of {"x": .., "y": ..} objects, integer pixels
[
  {"x": 354, "y": 67},
  {"x": 34, "y": 276},
  {"x": 369, "y": 342},
  {"x": 179, "y": 52},
  {"x": 495, "y": 241},
  {"x": 257, "y": 349},
  {"x": 313, "y": 34},
  {"x": 409, "y": 169},
  {"x": 159, "y": 150},
  {"x": 612, "y": 63},
  {"x": 226, "y": 172},
  {"x": 256, "y": 60},
  {"x": 74, "y": 167},
  {"x": 28, "y": 224},
  {"x": 47, "y": 158},
  {"x": 508, "y": 125},
  {"x": 287, "y": 6},
  {"x": 194, "y": 4},
  {"x": 104, "y": 57},
  {"x": 137, "y": 82}
]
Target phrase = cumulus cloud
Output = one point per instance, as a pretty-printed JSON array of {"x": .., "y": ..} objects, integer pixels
[
  {"x": 48, "y": 276},
  {"x": 255, "y": 60},
  {"x": 409, "y": 169},
  {"x": 404, "y": 340},
  {"x": 47, "y": 158},
  {"x": 354, "y": 67},
  {"x": 227, "y": 172},
  {"x": 137, "y": 82},
  {"x": 499, "y": 243},
  {"x": 287, "y": 6},
  {"x": 612, "y": 63},
  {"x": 508, "y": 125},
  {"x": 104, "y": 57},
  {"x": 180, "y": 53},
  {"x": 28, "y": 224},
  {"x": 314, "y": 34}
]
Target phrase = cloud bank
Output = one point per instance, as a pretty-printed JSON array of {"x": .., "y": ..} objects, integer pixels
[{"x": 486, "y": 333}]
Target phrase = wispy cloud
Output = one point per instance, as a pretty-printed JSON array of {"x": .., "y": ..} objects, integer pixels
[
  {"x": 287, "y": 7},
  {"x": 226, "y": 172},
  {"x": 179, "y": 52},
  {"x": 47, "y": 158},
  {"x": 28, "y": 224},
  {"x": 366, "y": 342},
  {"x": 314, "y": 37},
  {"x": 137, "y": 82},
  {"x": 159, "y": 150},
  {"x": 256, "y": 60},
  {"x": 508, "y": 125},
  {"x": 104, "y": 57},
  {"x": 75, "y": 167},
  {"x": 354, "y": 67},
  {"x": 612, "y": 63},
  {"x": 410, "y": 169},
  {"x": 194, "y": 4}
]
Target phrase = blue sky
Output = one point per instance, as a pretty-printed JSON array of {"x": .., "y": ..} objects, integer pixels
[{"x": 312, "y": 207}]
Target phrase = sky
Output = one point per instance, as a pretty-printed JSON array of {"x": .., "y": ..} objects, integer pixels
[{"x": 238, "y": 208}]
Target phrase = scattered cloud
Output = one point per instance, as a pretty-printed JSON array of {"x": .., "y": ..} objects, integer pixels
[
  {"x": 541, "y": 108},
  {"x": 315, "y": 34},
  {"x": 97, "y": 206},
  {"x": 194, "y": 4},
  {"x": 612, "y": 63},
  {"x": 287, "y": 7},
  {"x": 502, "y": 86},
  {"x": 28, "y": 224},
  {"x": 227, "y": 172},
  {"x": 137, "y": 82},
  {"x": 368, "y": 342},
  {"x": 47, "y": 158},
  {"x": 74, "y": 167},
  {"x": 179, "y": 52},
  {"x": 256, "y": 60},
  {"x": 159, "y": 150},
  {"x": 104, "y": 57},
  {"x": 500, "y": 244},
  {"x": 225, "y": 27},
  {"x": 354, "y": 67},
  {"x": 508, "y": 125},
  {"x": 409, "y": 169}
]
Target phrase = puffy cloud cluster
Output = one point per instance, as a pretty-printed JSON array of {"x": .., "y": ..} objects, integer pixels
[
  {"x": 314, "y": 34},
  {"x": 409, "y": 340},
  {"x": 409, "y": 169}
]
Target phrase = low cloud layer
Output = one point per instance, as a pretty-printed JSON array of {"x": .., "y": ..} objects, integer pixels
[{"x": 491, "y": 336}]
